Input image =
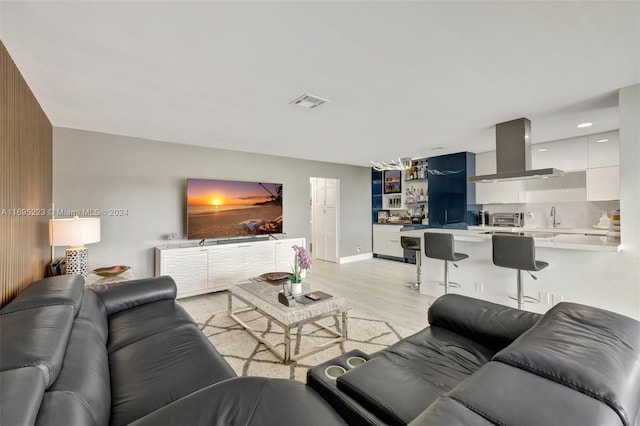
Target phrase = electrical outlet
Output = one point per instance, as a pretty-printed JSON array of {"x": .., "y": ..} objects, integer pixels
[
  {"x": 358, "y": 248},
  {"x": 479, "y": 287},
  {"x": 557, "y": 298},
  {"x": 544, "y": 297}
]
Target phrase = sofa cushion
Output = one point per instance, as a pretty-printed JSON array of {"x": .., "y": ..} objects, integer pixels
[
  {"x": 85, "y": 374},
  {"x": 586, "y": 349},
  {"x": 247, "y": 401},
  {"x": 504, "y": 395},
  {"x": 449, "y": 412},
  {"x": 21, "y": 392},
  {"x": 63, "y": 409},
  {"x": 401, "y": 380},
  {"x": 496, "y": 326},
  {"x": 161, "y": 368},
  {"x": 59, "y": 290},
  {"x": 130, "y": 325},
  {"x": 36, "y": 337}
]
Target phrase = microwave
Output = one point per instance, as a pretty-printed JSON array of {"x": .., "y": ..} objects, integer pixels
[{"x": 510, "y": 220}]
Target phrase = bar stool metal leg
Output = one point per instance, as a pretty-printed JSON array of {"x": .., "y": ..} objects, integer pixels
[
  {"x": 520, "y": 297},
  {"x": 446, "y": 283},
  {"x": 520, "y": 292},
  {"x": 416, "y": 285},
  {"x": 446, "y": 277}
]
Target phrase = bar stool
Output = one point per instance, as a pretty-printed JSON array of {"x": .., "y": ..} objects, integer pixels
[
  {"x": 440, "y": 245},
  {"x": 413, "y": 243},
  {"x": 517, "y": 252}
]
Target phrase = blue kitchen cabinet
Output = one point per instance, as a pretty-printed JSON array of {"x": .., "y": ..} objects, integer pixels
[
  {"x": 452, "y": 198},
  {"x": 376, "y": 194}
]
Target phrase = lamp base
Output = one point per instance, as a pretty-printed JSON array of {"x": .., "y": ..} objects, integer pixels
[{"x": 77, "y": 259}]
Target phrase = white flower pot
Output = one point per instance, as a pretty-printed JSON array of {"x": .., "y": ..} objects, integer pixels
[{"x": 296, "y": 288}]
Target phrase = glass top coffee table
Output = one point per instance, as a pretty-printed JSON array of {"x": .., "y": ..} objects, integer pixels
[{"x": 262, "y": 297}]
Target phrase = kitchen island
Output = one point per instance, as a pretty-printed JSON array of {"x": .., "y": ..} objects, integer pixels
[{"x": 590, "y": 269}]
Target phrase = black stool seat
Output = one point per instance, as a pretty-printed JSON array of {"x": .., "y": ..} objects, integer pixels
[
  {"x": 516, "y": 252},
  {"x": 413, "y": 243},
  {"x": 440, "y": 245},
  {"x": 410, "y": 243}
]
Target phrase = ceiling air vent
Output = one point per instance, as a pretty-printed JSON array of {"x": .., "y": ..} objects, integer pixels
[{"x": 308, "y": 101}]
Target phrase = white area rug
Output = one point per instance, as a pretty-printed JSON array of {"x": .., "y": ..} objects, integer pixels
[{"x": 248, "y": 357}]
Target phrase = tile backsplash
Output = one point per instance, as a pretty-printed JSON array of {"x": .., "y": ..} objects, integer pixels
[{"x": 578, "y": 214}]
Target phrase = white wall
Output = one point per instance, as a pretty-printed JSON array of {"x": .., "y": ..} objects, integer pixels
[
  {"x": 148, "y": 178},
  {"x": 629, "y": 102}
]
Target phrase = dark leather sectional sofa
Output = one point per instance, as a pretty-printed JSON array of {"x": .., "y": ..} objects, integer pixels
[{"x": 127, "y": 353}]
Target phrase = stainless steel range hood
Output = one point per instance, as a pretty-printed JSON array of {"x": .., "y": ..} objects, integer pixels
[{"x": 513, "y": 154}]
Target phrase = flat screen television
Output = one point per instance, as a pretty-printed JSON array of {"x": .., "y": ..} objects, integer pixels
[{"x": 227, "y": 208}]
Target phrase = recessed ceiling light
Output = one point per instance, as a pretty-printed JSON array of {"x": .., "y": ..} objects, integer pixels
[
  {"x": 308, "y": 101},
  {"x": 543, "y": 150},
  {"x": 602, "y": 141},
  {"x": 583, "y": 125}
]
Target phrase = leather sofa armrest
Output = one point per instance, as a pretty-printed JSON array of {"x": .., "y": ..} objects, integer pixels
[
  {"x": 129, "y": 294},
  {"x": 495, "y": 326}
]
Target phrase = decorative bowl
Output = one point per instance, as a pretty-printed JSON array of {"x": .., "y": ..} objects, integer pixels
[
  {"x": 111, "y": 271},
  {"x": 276, "y": 277}
]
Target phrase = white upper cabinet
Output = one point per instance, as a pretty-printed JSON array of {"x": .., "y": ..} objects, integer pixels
[
  {"x": 604, "y": 150},
  {"x": 603, "y": 183},
  {"x": 567, "y": 155},
  {"x": 494, "y": 192}
]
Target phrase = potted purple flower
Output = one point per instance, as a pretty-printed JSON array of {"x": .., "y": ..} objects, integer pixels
[{"x": 301, "y": 262}]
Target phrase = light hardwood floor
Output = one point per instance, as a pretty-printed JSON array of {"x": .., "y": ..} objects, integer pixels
[{"x": 373, "y": 286}]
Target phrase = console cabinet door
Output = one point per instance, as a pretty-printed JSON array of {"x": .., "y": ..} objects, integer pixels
[
  {"x": 188, "y": 268},
  {"x": 226, "y": 266},
  {"x": 259, "y": 258},
  {"x": 285, "y": 253}
]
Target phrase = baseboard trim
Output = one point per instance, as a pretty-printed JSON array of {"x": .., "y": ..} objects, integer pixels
[{"x": 356, "y": 258}]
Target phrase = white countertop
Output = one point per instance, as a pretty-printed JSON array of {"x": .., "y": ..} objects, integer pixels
[{"x": 549, "y": 237}]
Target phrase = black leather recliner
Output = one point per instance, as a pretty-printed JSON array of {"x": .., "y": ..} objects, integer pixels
[{"x": 485, "y": 364}]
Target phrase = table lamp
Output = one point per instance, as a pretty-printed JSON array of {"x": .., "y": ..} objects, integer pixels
[{"x": 75, "y": 233}]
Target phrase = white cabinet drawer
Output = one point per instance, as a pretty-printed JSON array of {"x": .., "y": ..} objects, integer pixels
[{"x": 386, "y": 240}]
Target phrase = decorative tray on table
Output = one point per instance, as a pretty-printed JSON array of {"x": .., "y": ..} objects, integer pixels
[{"x": 276, "y": 277}]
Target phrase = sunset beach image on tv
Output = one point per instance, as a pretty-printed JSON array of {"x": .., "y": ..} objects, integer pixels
[{"x": 225, "y": 208}]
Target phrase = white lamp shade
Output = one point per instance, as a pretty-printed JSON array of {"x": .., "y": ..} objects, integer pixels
[{"x": 74, "y": 232}]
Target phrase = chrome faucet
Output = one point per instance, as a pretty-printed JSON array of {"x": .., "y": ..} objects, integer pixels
[{"x": 556, "y": 220}]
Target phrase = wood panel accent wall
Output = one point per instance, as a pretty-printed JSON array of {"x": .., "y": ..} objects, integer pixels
[{"x": 26, "y": 143}]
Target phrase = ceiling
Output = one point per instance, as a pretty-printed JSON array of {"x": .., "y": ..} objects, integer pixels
[{"x": 401, "y": 77}]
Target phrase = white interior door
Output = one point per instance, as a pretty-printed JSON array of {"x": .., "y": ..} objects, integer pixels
[{"x": 325, "y": 200}]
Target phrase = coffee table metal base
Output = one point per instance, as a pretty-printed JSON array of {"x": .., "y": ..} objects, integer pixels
[{"x": 286, "y": 356}]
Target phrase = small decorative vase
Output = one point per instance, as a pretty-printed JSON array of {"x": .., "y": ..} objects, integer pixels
[{"x": 296, "y": 288}]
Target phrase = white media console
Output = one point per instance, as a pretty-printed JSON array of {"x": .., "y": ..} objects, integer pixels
[{"x": 205, "y": 269}]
